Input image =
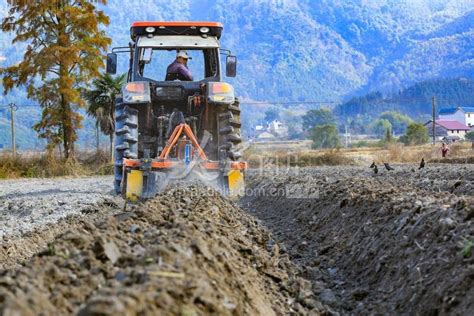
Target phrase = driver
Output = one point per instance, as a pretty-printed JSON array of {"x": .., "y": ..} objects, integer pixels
[{"x": 178, "y": 69}]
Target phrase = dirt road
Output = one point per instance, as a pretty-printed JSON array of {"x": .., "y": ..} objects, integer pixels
[
  {"x": 33, "y": 211},
  {"x": 324, "y": 240}
]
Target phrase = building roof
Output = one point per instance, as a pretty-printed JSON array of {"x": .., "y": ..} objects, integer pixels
[
  {"x": 465, "y": 109},
  {"x": 448, "y": 124},
  {"x": 266, "y": 135}
]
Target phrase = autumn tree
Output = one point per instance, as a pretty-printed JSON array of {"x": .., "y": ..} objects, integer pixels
[{"x": 64, "y": 51}]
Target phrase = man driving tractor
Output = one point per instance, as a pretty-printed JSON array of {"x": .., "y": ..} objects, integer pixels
[{"x": 178, "y": 69}]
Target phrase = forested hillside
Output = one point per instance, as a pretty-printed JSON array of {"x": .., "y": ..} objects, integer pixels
[
  {"x": 301, "y": 50},
  {"x": 414, "y": 101},
  {"x": 315, "y": 50}
]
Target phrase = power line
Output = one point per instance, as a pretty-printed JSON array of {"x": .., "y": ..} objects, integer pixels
[{"x": 291, "y": 102}]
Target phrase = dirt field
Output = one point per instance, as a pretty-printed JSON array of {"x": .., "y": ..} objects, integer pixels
[
  {"x": 399, "y": 242},
  {"x": 188, "y": 252},
  {"x": 323, "y": 240}
]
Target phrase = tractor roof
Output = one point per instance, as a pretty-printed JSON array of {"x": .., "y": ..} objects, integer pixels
[{"x": 175, "y": 28}]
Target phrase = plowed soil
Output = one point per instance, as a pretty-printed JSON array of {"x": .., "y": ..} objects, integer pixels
[
  {"x": 188, "y": 252},
  {"x": 326, "y": 240},
  {"x": 396, "y": 242}
]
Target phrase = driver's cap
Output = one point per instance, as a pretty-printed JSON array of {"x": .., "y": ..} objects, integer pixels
[{"x": 183, "y": 54}]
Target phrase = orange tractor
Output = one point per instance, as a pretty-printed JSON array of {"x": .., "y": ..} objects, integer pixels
[{"x": 169, "y": 127}]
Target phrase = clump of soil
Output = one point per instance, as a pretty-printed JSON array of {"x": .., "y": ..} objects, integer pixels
[
  {"x": 399, "y": 242},
  {"x": 189, "y": 251}
]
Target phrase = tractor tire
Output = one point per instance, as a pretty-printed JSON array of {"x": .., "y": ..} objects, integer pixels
[
  {"x": 230, "y": 138},
  {"x": 126, "y": 139}
]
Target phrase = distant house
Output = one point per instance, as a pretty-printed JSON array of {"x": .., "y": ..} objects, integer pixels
[
  {"x": 271, "y": 131},
  {"x": 278, "y": 129},
  {"x": 448, "y": 128},
  {"x": 463, "y": 114}
]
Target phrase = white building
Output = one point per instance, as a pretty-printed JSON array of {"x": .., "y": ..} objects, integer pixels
[
  {"x": 463, "y": 114},
  {"x": 278, "y": 129}
]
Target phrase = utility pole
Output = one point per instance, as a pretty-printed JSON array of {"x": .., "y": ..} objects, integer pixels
[
  {"x": 13, "y": 108},
  {"x": 433, "y": 107}
]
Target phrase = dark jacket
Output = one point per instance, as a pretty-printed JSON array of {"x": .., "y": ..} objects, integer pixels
[{"x": 177, "y": 71}]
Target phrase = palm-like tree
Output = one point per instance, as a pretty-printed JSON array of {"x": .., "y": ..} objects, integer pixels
[{"x": 101, "y": 103}]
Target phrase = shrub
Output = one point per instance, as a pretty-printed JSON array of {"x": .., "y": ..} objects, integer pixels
[{"x": 416, "y": 134}]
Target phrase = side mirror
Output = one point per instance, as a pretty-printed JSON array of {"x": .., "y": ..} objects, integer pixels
[
  {"x": 146, "y": 55},
  {"x": 111, "y": 63},
  {"x": 231, "y": 66}
]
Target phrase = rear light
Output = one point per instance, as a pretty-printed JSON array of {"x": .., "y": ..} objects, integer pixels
[
  {"x": 136, "y": 92},
  {"x": 221, "y": 87},
  {"x": 135, "y": 87},
  {"x": 221, "y": 92}
]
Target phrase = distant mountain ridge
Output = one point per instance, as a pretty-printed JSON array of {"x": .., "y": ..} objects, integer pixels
[
  {"x": 309, "y": 50},
  {"x": 313, "y": 50},
  {"x": 414, "y": 101}
]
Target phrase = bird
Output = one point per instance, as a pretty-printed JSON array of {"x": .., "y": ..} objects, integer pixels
[
  {"x": 422, "y": 164},
  {"x": 372, "y": 165},
  {"x": 376, "y": 170},
  {"x": 387, "y": 166}
]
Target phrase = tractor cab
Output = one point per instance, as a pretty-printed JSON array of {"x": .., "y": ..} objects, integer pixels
[{"x": 155, "y": 45}]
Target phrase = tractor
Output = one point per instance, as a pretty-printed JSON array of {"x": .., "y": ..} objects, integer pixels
[{"x": 169, "y": 128}]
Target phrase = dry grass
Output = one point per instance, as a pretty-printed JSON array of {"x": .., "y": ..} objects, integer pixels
[
  {"x": 394, "y": 153},
  {"x": 44, "y": 166},
  {"x": 410, "y": 154},
  {"x": 294, "y": 158}
]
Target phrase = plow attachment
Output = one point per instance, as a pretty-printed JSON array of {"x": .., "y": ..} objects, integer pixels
[{"x": 144, "y": 178}]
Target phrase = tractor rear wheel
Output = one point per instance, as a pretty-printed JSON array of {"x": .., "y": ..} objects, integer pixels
[
  {"x": 230, "y": 138},
  {"x": 126, "y": 139}
]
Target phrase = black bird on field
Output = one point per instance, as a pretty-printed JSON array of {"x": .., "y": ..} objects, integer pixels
[
  {"x": 376, "y": 169},
  {"x": 422, "y": 164},
  {"x": 387, "y": 166},
  {"x": 372, "y": 165}
]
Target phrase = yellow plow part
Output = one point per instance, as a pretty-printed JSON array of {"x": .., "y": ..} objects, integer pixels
[
  {"x": 236, "y": 183},
  {"x": 134, "y": 185}
]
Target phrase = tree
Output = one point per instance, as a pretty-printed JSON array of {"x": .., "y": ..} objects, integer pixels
[
  {"x": 292, "y": 119},
  {"x": 416, "y": 134},
  {"x": 398, "y": 121},
  {"x": 65, "y": 46},
  {"x": 271, "y": 114},
  {"x": 470, "y": 136},
  {"x": 325, "y": 136},
  {"x": 318, "y": 117},
  {"x": 101, "y": 103},
  {"x": 380, "y": 126},
  {"x": 388, "y": 136}
]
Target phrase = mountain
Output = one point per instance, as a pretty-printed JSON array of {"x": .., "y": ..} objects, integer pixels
[
  {"x": 414, "y": 101},
  {"x": 314, "y": 50}
]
